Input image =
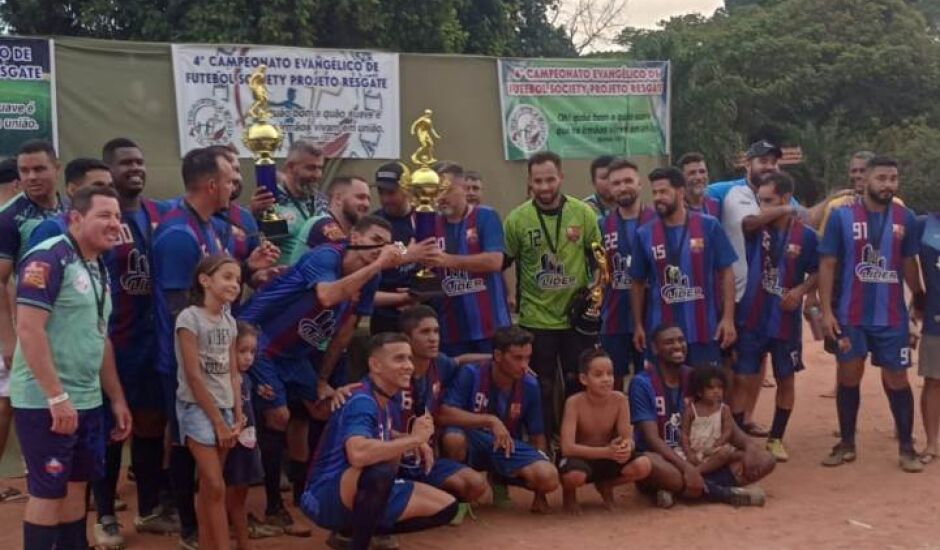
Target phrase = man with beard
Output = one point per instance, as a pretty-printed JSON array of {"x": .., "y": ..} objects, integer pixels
[
  {"x": 874, "y": 240},
  {"x": 695, "y": 171},
  {"x": 618, "y": 229},
  {"x": 677, "y": 257},
  {"x": 298, "y": 199},
  {"x": 601, "y": 200},
  {"x": 550, "y": 237},
  {"x": 469, "y": 262},
  {"x": 78, "y": 173},
  {"x": 657, "y": 401},
  {"x": 349, "y": 201}
]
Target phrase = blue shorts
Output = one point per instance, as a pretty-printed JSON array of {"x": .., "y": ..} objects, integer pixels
[
  {"x": 443, "y": 469},
  {"x": 785, "y": 356},
  {"x": 321, "y": 503},
  {"x": 53, "y": 460},
  {"x": 481, "y": 456},
  {"x": 291, "y": 379},
  {"x": 625, "y": 357},
  {"x": 889, "y": 346},
  {"x": 194, "y": 423},
  {"x": 469, "y": 346}
]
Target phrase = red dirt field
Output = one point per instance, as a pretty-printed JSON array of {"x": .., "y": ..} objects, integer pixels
[{"x": 868, "y": 504}]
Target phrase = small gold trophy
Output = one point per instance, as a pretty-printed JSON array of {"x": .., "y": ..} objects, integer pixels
[
  {"x": 263, "y": 138},
  {"x": 425, "y": 186},
  {"x": 585, "y": 308}
]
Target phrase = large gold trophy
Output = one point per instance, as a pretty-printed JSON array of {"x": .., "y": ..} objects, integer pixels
[
  {"x": 263, "y": 138},
  {"x": 424, "y": 186}
]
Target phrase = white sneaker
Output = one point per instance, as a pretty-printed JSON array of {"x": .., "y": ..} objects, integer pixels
[{"x": 108, "y": 534}]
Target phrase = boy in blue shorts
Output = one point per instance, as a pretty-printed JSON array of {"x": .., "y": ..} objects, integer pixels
[
  {"x": 781, "y": 270},
  {"x": 874, "y": 241},
  {"x": 487, "y": 409},
  {"x": 353, "y": 486}
]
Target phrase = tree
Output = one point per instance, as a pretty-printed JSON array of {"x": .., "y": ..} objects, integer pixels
[
  {"x": 590, "y": 24},
  {"x": 491, "y": 27},
  {"x": 828, "y": 76}
]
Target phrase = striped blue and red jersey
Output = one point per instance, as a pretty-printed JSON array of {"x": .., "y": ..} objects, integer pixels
[
  {"x": 618, "y": 236},
  {"x": 179, "y": 243},
  {"x": 239, "y": 232},
  {"x": 293, "y": 323},
  {"x": 777, "y": 261},
  {"x": 871, "y": 248},
  {"x": 474, "y": 305},
  {"x": 518, "y": 407},
  {"x": 680, "y": 265},
  {"x": 426, "y": 393},
  {"x": 711, "y": 206}
]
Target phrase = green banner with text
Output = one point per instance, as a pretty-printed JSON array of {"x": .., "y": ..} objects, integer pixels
[{"x": 27, "y": 92}]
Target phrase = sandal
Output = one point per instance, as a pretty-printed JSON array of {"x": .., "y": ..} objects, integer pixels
[
  {"x": 927, "y": 458},
  {"x": 754, "y": 430},
  {"x": 259, "y": 530},
  {"x": 9, "y": 494}
]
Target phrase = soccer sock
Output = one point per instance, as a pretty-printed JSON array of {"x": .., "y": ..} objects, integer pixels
[
  {"x": 146, "y": 456},
  {"x": 104, "y": 488},
  {"x": 716, "y": 493},
  {"x": 779, "y": 425},
  {"x": 420, "y": 524},
  {"x": 902, "y": 407},
  {"x": 297, "y": 474},
  {"x": 183, "y": 481},
  {"x": 272, "y": 443},
  {"x": 72, "y": 536},
  {"x": 847, "y": 400},
  {"x": 372, "y": 494},
  {"x": 739, "y": 419},
  {"x": 40, "y": 537}
]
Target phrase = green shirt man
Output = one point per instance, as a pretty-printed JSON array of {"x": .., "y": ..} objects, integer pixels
[
  {"x": 551, "y": 248},
  {"x": 53, "y": 276}
]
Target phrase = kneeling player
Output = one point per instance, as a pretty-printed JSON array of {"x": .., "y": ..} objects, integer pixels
[
  {"x": 657, "y": 400},
  {"x": 596, "y": 440},
  {"x": 353, "y": 486},
  {"x": 433, "y": 374},
  {"x": 491, "y": 402}
]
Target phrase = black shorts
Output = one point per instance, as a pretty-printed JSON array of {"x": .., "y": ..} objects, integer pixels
[{"x": 600, "y": 469}]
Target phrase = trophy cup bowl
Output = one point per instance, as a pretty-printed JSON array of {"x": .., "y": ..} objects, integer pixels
[{"x": 263, "y": 138}]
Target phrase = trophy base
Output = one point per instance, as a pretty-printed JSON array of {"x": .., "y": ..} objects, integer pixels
[
  {"x": 274, "y": 229},
  {"x": 426, "y": 288}
]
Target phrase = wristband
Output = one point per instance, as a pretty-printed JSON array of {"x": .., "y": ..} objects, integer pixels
[{"x": 61, "y": 398}]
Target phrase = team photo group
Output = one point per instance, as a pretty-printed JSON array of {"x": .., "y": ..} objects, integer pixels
[{"x": 623, "y": 338}]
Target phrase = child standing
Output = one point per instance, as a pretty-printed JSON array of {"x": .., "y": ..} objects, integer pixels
[
  {"x": 707, "y": 422},
  {"x": 209, "y": 415}
]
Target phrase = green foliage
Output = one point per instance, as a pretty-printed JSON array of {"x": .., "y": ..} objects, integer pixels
[
  {"x": 828, "y": 76},
  {"x": 489, "y": 27}
]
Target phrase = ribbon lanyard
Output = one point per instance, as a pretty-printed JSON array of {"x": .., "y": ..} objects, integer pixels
[
  {"x": 552, "y": 246},
  {"x": 776, "y": 249},
  {"x": 99, "y": 296},
  {"x": 672, "y": 254},
  {"x": 299, "y": 206},
  {"x": 876, "y": 244}
]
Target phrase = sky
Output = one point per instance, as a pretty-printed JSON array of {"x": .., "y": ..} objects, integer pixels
[{"x": 646, "y": 13}]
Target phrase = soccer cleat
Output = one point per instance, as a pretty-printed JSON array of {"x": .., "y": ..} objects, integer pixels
[
  {"x": 840, "y": 455},
  {"x": 910, "y": 463},
  {"x": 463, "y": 511},
  {"x": 776, "y": 448},
  {"x": 747, "y": 496},
  {"x": 501, "y": 495},
  {"x": 108, "y": 534},
  {"x": 157, "y": 524},
  {"x": 190, "y": 543}
]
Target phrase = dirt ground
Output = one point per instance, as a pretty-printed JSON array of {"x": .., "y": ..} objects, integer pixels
[{"x": 868, "y": 504}]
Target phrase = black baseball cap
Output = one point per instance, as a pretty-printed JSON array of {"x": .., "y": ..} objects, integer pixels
[
  {"x": 8, "y": 171},
  {"x": 388, "y": 176},
  {"x": 762, "y": 148}
]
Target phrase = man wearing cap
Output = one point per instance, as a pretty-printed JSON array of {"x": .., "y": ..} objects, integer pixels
[{"x": 396, "y": 209}]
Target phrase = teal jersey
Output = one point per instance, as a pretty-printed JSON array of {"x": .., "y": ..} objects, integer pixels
[
  {"x": 53, "y": 277},
  {"x": 18, "y": 218},
  {"x": 295, "y": 211}
]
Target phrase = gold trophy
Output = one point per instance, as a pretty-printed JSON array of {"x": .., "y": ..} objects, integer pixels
[
  {"x": 585, "y": 310},
  {"x": 424, "y": 186},
  {"x": 263, "y": 138}
]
